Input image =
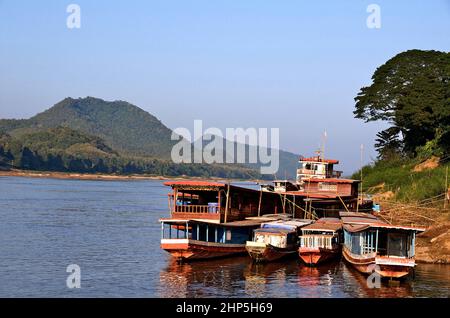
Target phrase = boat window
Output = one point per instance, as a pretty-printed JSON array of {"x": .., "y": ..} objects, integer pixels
[
  {"x": 278, "y": 241},
  {"x": 228, "y": 235},
  {"x": 397, "y": 244},
  {"x": 327, "y": 186},
  {"x": 259, "y": 238}
]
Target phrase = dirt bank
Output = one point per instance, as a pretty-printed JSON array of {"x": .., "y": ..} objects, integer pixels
[{"x": 433, "y": 245}]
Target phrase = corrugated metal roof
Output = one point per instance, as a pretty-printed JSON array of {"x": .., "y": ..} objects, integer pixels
[
  {"x": 357, "y": 214},
  {"x": 274, "y": 230},
  {"x": 194, "y": 183},
  {"x": 333, "y": 180},
  {"x": 290, "y": 224},
  {"x": 356, "y": 227},
  {"x": 356, "y": 222},
  {"x": 242, "y": 223},
  {"x": 319, "y": 159},
  {"x": 325, "y": 224}
]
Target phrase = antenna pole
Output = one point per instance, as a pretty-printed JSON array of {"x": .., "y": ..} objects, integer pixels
[{"x": 361, "y": 176}]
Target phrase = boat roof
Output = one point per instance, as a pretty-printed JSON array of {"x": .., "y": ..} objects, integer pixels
[
  {"x": 325, "y": 225},
  {"x": 333, "y": 180},
  {"x": 292, "y": 224},
  {"x": 317, "y": 194},
  {"x": 270, "y": 217},
  {"x": 319, "y": 159},
  {"x": 357, "y": 222},
  {"x": 242, "y": 223},
  {"x": 274, "y": 230},
  {"x": 194, "y": 183},
  {"x": 357, "y": 214}
]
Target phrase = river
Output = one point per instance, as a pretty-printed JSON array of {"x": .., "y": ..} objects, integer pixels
[{"x": 110, "y": 229}]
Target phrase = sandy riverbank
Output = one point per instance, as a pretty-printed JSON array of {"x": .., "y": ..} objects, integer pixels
[
  {"x": 105, "y": 177},
  {"x": 78, "y": 176},
  {"x": 433, "y": 246}
]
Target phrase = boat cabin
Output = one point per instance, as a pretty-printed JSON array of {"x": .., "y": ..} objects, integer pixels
[
  {"x": 331, "y": 187},
  {"x": 207, "y": 201},
  {"x": 381, "y": 239},
  {"x": 324, "y": 233},
  {"x": 191, "y": 239},
  {"x": 369, "y": 239},
  {"x": 316, "y": 167},
  {"x": 237, "y": 232},
  {"x": 280, "y": 233},
  {"x": 284, "y": 185}
]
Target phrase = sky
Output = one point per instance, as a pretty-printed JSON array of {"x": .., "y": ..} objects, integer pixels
[{"x": 293, "y": 65}]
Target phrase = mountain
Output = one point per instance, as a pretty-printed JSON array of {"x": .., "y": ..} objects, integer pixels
[
  {"x": 288, "y": 161},
  {"x": 124, "y": 127},
  {"x": 90, "y": 134},
  {"x": 66, "y": 150}
]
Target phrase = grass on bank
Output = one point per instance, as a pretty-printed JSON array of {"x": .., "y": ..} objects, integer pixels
[{"x": 406, "y": 184}]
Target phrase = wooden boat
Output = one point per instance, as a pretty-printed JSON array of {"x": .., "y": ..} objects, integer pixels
[
  {"x": 195, "y": 239},
  {"x": 372, "y": 245},
  {"x": 275, "y": 240},
  {"x": 321, "y": 241}
]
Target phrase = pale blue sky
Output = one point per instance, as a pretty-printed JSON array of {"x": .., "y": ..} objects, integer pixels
[{"x": 296, "y": 65}]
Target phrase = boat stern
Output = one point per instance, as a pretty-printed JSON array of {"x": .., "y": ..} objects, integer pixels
[{"x": 394, "y": 267}]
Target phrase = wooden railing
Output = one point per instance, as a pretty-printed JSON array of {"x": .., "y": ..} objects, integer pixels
[
  {"x": 196, "y": 209},
  {"x": 315, "y": 241},
  {"x": 333, "y": 174}
]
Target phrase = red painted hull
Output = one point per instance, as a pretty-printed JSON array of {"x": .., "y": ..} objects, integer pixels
[
  {"x": 196, "y": 250},
  {"x": 317, "y": 256},
  {"x": 268, "y": 253},
  {"x": 386, "y": 267}
]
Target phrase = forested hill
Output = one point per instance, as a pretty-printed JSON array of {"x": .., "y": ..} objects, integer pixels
[
  {"x": 66, "y": 150},
  {"x": 124, "y": 127},
  {"x": 93, "y": 135}
]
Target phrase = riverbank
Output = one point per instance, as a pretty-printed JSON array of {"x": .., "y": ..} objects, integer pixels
[
  {"x": 102, "y": 177},
  {"x": 433, "y": 245}
]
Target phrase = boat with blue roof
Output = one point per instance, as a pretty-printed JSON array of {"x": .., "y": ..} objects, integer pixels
[{"x": 275, "y": 240}]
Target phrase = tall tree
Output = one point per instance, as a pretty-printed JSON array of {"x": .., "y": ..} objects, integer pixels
[{"x": 411, "y": 91}]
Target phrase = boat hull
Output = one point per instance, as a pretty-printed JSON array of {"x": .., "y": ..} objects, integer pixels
[
  {"x": 184, "y": 249},
  {"x": 268, "y": 253},
  {"x": 317, "y": 256},
  {"x": 386, "y": 267}
]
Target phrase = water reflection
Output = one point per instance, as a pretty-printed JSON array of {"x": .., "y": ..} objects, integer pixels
[
  {"x": 240, "y": 277},
  {"x": 388, "y": 288}
]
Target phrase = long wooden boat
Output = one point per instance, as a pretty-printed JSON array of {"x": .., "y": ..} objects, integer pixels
[
  {"x": 374, "y": 246},
  {"x": 321, "y": 241},
  {"x": 275, "y": 240},
  {"x": 195, "y": 239}
]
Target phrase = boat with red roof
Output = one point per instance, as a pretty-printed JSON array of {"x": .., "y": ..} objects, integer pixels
[{"x": 320, "y": 241}]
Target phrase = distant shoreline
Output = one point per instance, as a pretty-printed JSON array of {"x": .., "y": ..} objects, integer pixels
[{"x": 99, "y": 177}]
